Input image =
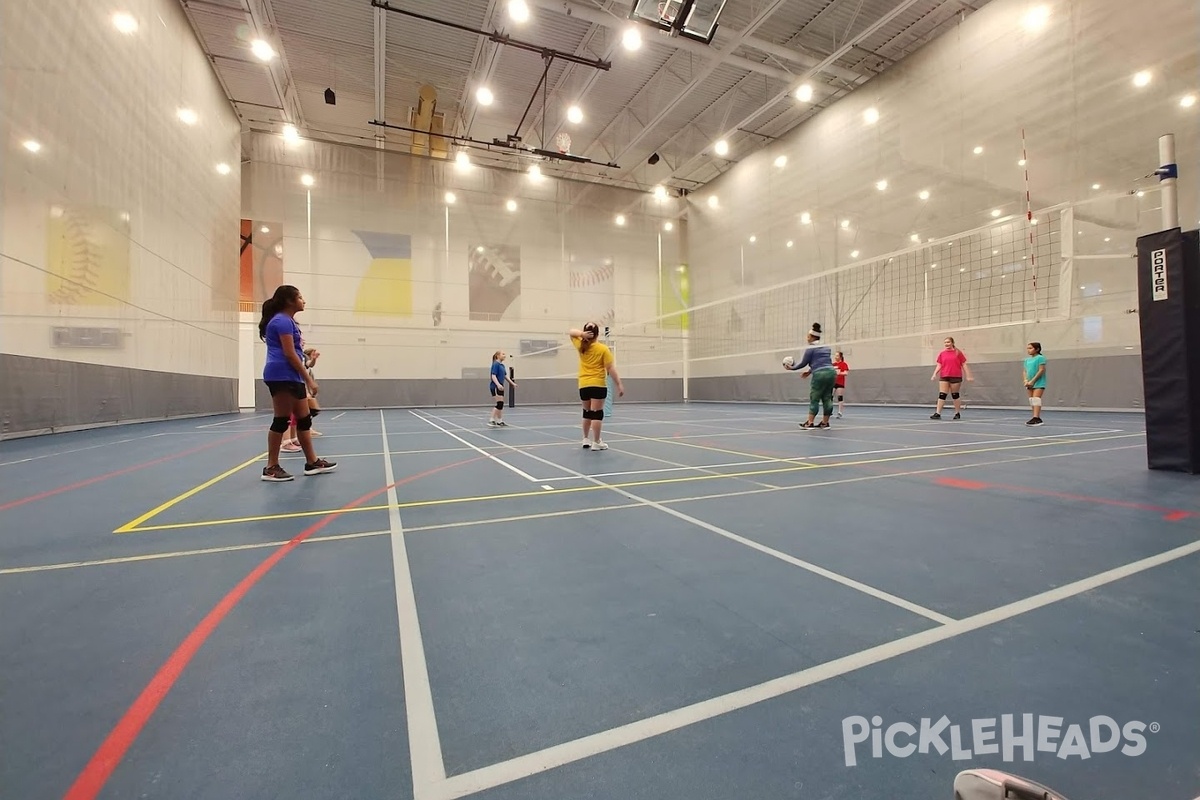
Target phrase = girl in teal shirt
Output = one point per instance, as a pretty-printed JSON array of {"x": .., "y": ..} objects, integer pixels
[{"x": 1035, "y": 379}]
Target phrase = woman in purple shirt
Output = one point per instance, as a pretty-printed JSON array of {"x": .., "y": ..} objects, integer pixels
[{"x": 289, "y": 383}]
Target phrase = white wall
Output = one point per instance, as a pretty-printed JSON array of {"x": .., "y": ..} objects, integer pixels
[
  {"x": 575, "y": 262},
  {"x": 1062, "y": 95},
  {"x": 121, "y": 220}
]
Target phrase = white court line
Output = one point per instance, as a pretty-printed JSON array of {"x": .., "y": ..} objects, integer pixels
[
  {"x": 231, "y": 421},
  {"x": 559, "y": 755},
  {"x": 339, "y": 416},
  {"x": 479, "y": 450},
  {"x": 424, "y": 745},
  {"x": 833, "y": 576},
  {"x": 78, "y": 449},
  {"x": 771, "y": 459}
]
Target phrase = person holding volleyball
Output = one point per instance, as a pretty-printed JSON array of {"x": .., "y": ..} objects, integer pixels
[{"x": 817, "y": 363}]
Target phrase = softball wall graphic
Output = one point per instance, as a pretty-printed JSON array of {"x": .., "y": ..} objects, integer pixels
[
  {"x": 87, "y": 257},
  {"x": 593, "y": 293},
  {"x": 386, "y": 289},
  {"x": 495, "y": 281}
]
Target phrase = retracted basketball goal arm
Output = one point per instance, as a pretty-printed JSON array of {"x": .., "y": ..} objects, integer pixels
[{"x": 548, "y": 54}]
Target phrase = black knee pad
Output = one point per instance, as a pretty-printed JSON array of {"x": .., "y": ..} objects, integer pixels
[
  {"x": 598, "y": 414},
  {"x": 304, "y": 423},
  {"x": 280, "y": 424},
  {"x": 499, "y": 404},
  {"x": 941, "y": 395},
  {"x": 954, "y": 395}
]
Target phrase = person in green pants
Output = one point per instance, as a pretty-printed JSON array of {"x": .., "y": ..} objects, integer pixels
[{"x": 817, "y": 363}]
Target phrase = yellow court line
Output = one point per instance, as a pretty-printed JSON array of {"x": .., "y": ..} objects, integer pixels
[
  {"x": 627, "y": 485},
  {"x": 130, "y": 526}
]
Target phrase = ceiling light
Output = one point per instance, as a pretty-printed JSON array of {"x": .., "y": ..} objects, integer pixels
[
  {"x": 187, "y": 116},
  {"x": 713, "y": 201},
  {"x": 1141, "y": 193},
  {"x": 924, "y": 195},
  {"x": 290, "y": 134},
  {"x": 871, "y": 115},
  {"x": 660, "y": 192},
  {"x": 1033, "y": 221},
  {"x": 511, "y": 205},
  {"x": 962, "y": 269},
  {"x": 518, "y": 11},
  {"x": 1142, "y": 78},
  {"x": 223, "y": 169},
  {"x": 31, "y": 145},
  {"x": 1036, "y": 18},
  {"x": 620, "y": 219},
  {"x": 668, "y": 226},
  {"x": 933, "y": 266},
  {"x": 484, "y": 95},
  {"x": 450, "y": 198},
  {"x": 854, "y": 254},
  {"x": 978, "y": 150},
  {"x": 262, "y": 50},
  {"x": 790, "y": 243},
  {"x": 915, "y": 237},
  {"x": 995, "y": 252},
  {"x": 805, "y": 218},
  {"x": 995, "y": 212},
  {"x": 307, "y": 180},
  {"x": 845, "y": 224},
  {"x": 575, "y": 115},
  {"x": 753, "y": 239},
  {"x": 535, "y": 173},
  {"x": 631, "y": 38},
  {"x": 881, "y": 185},
  {"x": 781, "y": 161},
  {"x": 462, "y": 160},
  {"x": 125, "y": 23},
  {"x": 1095, "y": 186},
  {"x": 804, "y": 93},
  {"x": 1187, "y": 101},
  {"x": 1021, "y": 163},
  {"x": 265, "y": 229},
  {"x": 721, "y": 147}
]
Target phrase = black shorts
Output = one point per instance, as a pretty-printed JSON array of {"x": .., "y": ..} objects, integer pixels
[
  {"x": 295, "y": 389},
  {"x": 497, "y": 392},
  {"x": 593, "y": 393},
  {"x": 952, "y": 381}
]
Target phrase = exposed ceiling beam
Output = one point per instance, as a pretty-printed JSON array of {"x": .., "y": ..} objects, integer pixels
[
  {"x": 262, "y": 18},
  {"x": 380, "y": 68},
  {"x": 468, "y": 108},
  {"x": 846, "y": 47},
  {"x": 617, "y": 20}
]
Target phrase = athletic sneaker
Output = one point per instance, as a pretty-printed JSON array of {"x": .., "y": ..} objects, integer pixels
[
  {"x": 806, "y": 426},
  {"x": 587, "y": 443},
  {"x": 935, "y": 415},
  {"x": 1035, "y": 421},
  {"x": 839, "y": 416},
  {"x": 501, "y": 423},
  {"x": 958, "y": 416},
  {"x": 276, "y": 474},
  {"x": 600, "y": 445},
  {"x": 823, "y": 425},
  {"x": 319, "y": 466},
  {"x": 492, "y": 423}
]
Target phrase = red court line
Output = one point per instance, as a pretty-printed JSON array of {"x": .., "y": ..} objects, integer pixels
[
  {"x": 101, "y": 766},
  {"x": 1169, "y": 514},
  {"x": 118, "y": 472}
]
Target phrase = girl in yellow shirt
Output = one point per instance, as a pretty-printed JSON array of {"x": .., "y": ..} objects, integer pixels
[{"x": 595, "y": 365}]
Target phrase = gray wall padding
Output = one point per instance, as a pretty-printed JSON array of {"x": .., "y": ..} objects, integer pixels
[
  {"x": 41, "y": 395},
  {"x": 434, "y": 392},
  {"x": 1104, "y": 382}
]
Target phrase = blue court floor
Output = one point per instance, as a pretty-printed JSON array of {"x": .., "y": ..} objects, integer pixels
[{"x": 721, "y": 605}]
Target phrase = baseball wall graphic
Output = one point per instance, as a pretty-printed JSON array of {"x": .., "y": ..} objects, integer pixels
[
  {"x": 87, "y": 257},
  {"x": 386, "y": 288},
  {"x": 261, "y": 269},
  {"x": 593, "y": 296},
  {"x": 495, "y": 281}
]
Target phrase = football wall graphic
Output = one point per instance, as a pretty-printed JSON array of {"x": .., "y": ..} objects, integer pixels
[
  {"x": 593, "y": 296},
  {"x": 87, "y": 257},
  {"x": 386, "y": 288},
  {"x": 261, "y": 267},
  {"x": 495, "y": 281}
]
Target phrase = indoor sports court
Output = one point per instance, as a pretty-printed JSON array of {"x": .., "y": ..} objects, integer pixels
[{"x": 580, "y": 399}]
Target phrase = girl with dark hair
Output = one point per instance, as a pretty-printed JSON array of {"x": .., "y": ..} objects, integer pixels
[
  {"x": 1035, "y": 379},
  {"x": 289, "y": 383},
  {"x": 817, "y": 361},
  {"x": 595, "y": 365}
]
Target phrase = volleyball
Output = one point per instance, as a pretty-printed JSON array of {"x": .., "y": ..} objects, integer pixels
[{"x": 788, "y": 361}]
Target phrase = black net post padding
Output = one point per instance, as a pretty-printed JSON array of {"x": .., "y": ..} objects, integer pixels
[{"x": 512, "y": 390}]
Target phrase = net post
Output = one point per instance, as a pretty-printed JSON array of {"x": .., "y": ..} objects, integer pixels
[
  {"x": 1168, "y": 176},
  {"x": 608, "y": 381},
  {"x": 512, "y": 389}
]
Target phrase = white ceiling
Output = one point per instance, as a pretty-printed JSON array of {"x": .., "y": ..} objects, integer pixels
[{"x": 673, "y": 96}]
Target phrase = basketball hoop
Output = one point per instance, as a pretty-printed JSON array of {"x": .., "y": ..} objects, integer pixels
[
  {"x": 563, "y": 142},
  {"x": 667, "y": 11}
]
